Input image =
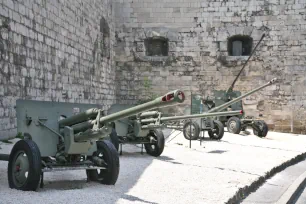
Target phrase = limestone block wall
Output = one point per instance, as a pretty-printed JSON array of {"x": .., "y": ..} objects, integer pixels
[
  {"x": 55, "y": 50},
  {"x": 198, "y": 59}
]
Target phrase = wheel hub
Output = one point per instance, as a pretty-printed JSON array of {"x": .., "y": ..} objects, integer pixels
[
  {"x": 153, "y": 139},
  {"x": 232, "y": 124},
  {"x": 21, "y": 170},
  {"x": 190, "y": 132},
  {"x": 260, "y": 126}
]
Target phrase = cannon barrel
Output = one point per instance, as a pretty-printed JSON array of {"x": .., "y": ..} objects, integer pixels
[
  {"x": 83, "y": 126},
  {"x": 225, "y": 105},
  {"x": 168, "y": 99},
  {"x": 81, "y": 117},
  {"x": 202, "y": 115},
  {"x": 171, "y": 98}
]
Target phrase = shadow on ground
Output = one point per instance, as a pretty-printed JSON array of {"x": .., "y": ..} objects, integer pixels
[
  {"x": 74, "y": 184},
  {"x": 132, "y": 165}
]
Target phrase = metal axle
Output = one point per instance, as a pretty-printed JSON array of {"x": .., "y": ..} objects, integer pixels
[{"x": 202, "y": 115}]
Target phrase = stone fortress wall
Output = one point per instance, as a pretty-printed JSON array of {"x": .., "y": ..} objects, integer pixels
[
  {"x": 121, "y": 51},
  {"x": 55, "y": 50},
  {"x": 188, "y": 45}
]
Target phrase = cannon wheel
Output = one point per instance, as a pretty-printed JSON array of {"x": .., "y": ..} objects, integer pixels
[
  {"x": 114, "y": 139},
  {"x": 108, "y": 176},
  {"x": 234, "y": 125},
  {"x": 263, "y": 128},
  {"x": 157, "y": 148},
  {"x": 195, "y": 130},
  {"x": 218, "y": 132},
  {"x": 24, "y": 166}
]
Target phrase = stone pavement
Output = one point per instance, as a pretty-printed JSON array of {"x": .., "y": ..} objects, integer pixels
[{"x": 215, "y": 172}]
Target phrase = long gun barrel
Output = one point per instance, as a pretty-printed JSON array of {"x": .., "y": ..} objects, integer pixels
[
  {"x": 88, "y": 114},
  {"x": 82, "y": 120},
  {"x": 225, "y": 105},
  {"x": 169, "y": 99},
  {"x": 233, "y": 84}
]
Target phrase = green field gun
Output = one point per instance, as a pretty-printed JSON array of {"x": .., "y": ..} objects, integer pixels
[
  {"x": 214, "y": 127},
  {"x": 69, "y": 136},
  {"x": 146, "y": 128}
]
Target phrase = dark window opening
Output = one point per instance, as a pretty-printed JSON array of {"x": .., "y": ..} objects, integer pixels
[
  {"x": 156, "y": 46},
  {"x": 104, "y": 28},
  {"x": 239, "y": 45},
  {"x": 105, "y": 41}
]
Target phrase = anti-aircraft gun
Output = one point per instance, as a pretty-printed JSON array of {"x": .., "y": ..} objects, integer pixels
[
  {"x": 61, "y": 136},
  {"x": 191, "y": 129},
  {"x": 236, "y": 123}
]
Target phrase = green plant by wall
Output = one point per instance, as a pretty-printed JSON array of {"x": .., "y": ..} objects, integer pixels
[{"x": 19, "y": 135}]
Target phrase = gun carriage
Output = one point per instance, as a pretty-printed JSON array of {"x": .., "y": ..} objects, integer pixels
[
  {"x": 238, "y": 123},
  {"x": 145, "y": 128},
  {"x": 67, "y": 136},
  {"x": 213, "y": 125}
]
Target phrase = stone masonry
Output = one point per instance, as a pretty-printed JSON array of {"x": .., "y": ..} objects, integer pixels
[
  {"x": 198, "y": 60},
  {"x": 55, "y": 50},
  {"x": 98, "y": 52}
]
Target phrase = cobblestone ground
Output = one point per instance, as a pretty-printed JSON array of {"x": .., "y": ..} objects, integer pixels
[{"x": 210, "y": 173}]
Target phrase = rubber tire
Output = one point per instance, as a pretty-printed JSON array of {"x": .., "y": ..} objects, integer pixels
[
  {"x": 114, "y": 139},
  {"x": 159, "y": 146},
  {"x": 237, "y": 128},
  {"x": 220, "y": 129},
  {"x": 264, "y": 131},
  {"x": 34, "y": 157},
  {"x": 196, "y": 130},
  {"x": 107, "y": 176}
]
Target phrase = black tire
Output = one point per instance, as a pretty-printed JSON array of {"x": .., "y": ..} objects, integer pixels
[
  {"x": 218, "y": 131},
  {"x": 114, "y": 139},
  {"x": 263, "y": 128},
  {"x": 196, "y": 130},
  {"x": 234, "y": 125},
  {"x": 110, "y": 155},
  {"x": 29, "y": 165},
  {"x": 157, "y": 148}
]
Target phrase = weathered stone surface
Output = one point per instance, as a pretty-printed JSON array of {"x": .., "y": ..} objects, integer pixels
[
  {"x": 80, "y": 51},
  {"x": 55, "y": 51},
  {"x": 198, "y": 33}
]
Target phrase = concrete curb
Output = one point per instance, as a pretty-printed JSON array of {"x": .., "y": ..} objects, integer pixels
[
  {"x": 242, "y": 193},
  {"x": 291, "y": 193}
]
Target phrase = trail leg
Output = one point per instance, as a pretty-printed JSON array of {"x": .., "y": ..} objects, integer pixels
[{"x": 42, "y": 180}]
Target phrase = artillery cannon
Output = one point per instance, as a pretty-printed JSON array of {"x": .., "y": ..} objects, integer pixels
[
  {"x": 144, "y": 128},
  {"x": 237, "y": 123},
  {"x": 214, "y": 127},
  {"x": 66, "y": 136}
]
